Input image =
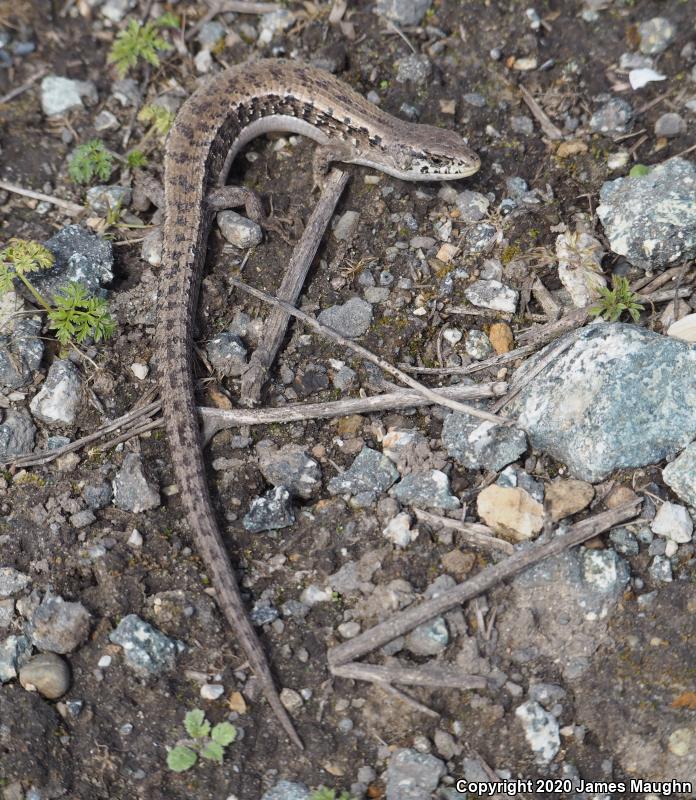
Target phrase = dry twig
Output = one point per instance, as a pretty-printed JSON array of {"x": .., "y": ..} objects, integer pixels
[
  {"x": 429, "y": 394},
  {"x": 302, "y": 256},
  {"x": 410, "y": 618}
]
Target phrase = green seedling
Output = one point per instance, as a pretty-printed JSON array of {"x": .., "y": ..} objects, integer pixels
[
  {"x": 206, "y": 741},
  {"x": 613, "y": 302},
  {"x": 74, "y": 314},
  {"x": 90, "y": 160},
  {"x": 139, "y": 42},
  {"x": 322, "y": 793}
]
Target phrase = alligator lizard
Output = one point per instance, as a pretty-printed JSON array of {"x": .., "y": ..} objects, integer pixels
[{"x": 210, "y": 129}]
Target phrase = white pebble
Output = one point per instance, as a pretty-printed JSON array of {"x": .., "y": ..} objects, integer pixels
[{"x": 212, "y": 691}]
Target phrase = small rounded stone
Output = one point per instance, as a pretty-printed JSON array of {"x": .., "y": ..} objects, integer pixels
[{"x": 46, "y": 673}]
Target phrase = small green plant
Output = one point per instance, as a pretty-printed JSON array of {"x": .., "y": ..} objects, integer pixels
[
  {"x": 206, "y": 742},
  {"x": 139, "y": 41},
  {"x": 74, "y": 314},
  {"x": 90, "y": 160},
  {"x": 158, "y": 118},
  {"x": 77, "y": 315},
  {"x": 322, "y": 793},
  {"x": 613, "y": 302},
  {"x": 639, "y": 171},
  {"x": 136, "y": 158}
]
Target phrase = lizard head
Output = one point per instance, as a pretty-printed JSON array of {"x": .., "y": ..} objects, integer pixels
[{"x": 422, "y": 153}]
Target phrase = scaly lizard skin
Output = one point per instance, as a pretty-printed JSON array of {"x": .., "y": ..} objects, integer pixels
[{"x": 210, "y": 129}]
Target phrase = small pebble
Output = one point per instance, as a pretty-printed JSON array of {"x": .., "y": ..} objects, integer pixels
[
  {"x": 46, "y": 673},
  {"x": 212, "y": 691}
]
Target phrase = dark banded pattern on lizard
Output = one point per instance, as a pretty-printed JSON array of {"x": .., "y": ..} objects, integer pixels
[{"x": 210, "y": 129}]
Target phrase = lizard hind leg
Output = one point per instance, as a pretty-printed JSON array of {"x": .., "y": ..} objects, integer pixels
[{"x": 323, "y": 158}]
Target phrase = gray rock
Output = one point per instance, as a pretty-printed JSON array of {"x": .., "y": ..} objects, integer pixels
[
  {"x": 290, "y": 467},
  {"x": 12, "y": 581},
  {"x": 655, "y": 35},
  {"x": 480, "y": 238},
  {"x": 346, "y": 225},
  {"x": 17, "y": 433},
  {"x": 660, "y": 570},
  {"x": 412, "y": 775},
  {"x": 651, "y": 220},
  {"x": 630, "y": 390},
  {"x": 351, "y": 319},
  {"x": 210, "y": 34},
  {"x": 80, "y": 256},
  {"x": 403, "y": 12},
  {"x": 673, "y": 522},
  {"x": 541, "y": 731},
  {"x": 479, "y": 444},
  {"x": 227, "y": 354},
  {"x": 60, "y": 95},
  {"x": 81, "y": 519},
  {"x": 238, "y": 230},
  {"x": 345, "y": 378},
  {"x": 523, "y": 125},
  {"x": 474, "y": 99},
  {"x": 21, "y": 350},
  {"x": 287, "y": 790},
  {"x": 513, "y": 476},
  {"x": 413, "y": 67},
  {"x": 370, "y": 472},
  {"x": 428, "y": 639},
  {"x": 516, "y": 187},
  {"x": 624, "y": 542},
  {"x": 614, "y": 118},
  {"x": 116, "y": 10},
  {"x": 14, "y": 651},
  {"x": 478, "y": 345},
  {"x": 492, "y": 294},
  {"x": 670, "y": 125},
  {"x": 7, "y": 612},
  {"x": 103, "y": 199},
  {"x": 97, "y": 495},
  {"x": 132, "y": 491},
  {"x": 376, "y": 294},
  {"x": 105, "y": 121},
  {"x": 145, "y": 649},
  {"x": 680, "y": 475},
  {"x": 473, "y": 206},
  {"x": 263, "y": 615},
  {"x": 604, "y": 572},
  {"x": 58, "y": 401},
  {"x": 126, "y": 92},
  {"x": 151, "y": 248},
  {"x": 46, "y": 673},
  {"x": 58, "y": 626},
  {"x": 425, "y": 490},
  {"x": 270, "y": 512}
]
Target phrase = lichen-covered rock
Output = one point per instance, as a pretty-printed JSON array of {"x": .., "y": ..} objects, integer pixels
[
  {"x": 651, "y": 219},
  {"x": 619, "y": 396}
]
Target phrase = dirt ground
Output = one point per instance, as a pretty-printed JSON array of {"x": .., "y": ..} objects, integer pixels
[{"x": 88, "y": 756}]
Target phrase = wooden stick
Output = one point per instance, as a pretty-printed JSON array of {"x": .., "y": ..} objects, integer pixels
[
  {"x": 473, "y": 533},
  {"x": 276, "y": 325},
  {"x": 71, "y": 208},
  {"x": 540, "y": 115},
  {"x": 410, "y": 618},
  {"x": 434, "y": 675},
  {"x": 429, "y": 394},
  {"x": 21, "y": 89},
  {"x": 488, "y": 363},
  {"x": 215, "y": 419}
]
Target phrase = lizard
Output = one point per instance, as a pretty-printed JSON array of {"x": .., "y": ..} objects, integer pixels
[{"x": 210, "y": 129}]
